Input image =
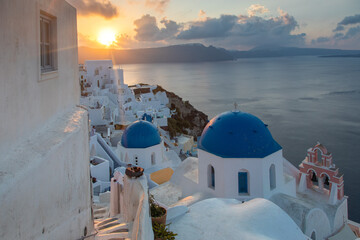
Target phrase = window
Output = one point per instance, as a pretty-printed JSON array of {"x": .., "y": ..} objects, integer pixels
[
  {"x": 272, "y": 176},
  {"x": 243, "y": 182},
  {"x": 47, "y": 43},
  {"x": 211, "y": 177},
  {"x": 153, "y": 159}
]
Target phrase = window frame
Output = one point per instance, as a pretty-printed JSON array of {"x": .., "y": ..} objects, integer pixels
[{"x": 47, "y": 40}]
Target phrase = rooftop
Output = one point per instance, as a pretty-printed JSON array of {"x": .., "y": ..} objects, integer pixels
[{"x": 237, "y": 135}]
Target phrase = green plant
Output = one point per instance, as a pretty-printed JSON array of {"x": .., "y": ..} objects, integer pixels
[
  {"x": 155, "y": 209},
  {"x": 162, "y": 231}
]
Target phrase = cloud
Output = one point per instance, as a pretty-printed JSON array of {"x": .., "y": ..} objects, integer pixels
[
  {"x": 256, "y": 8},
  {"x": 338, "y": 35},
  {"x": 231, "y": 30},
  {"x": 126, "y": 42},
  {"x": 148, "y": 30},
  {"x": 339, "y": 28},
  {"x": 344, "y": 36},
  {"x": 350, "y": 20},
  {"x": 320, "y": 40},
  {"x": 352, "y": 32},
  {"x": 202, "y": 15},
  {"x": 209, "y": 28},
  {"x": 102, "y": 8},
  {"x": 158, "y": 5}
]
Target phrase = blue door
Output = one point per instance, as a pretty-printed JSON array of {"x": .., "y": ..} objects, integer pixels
[{"x": 243, "y": 182}]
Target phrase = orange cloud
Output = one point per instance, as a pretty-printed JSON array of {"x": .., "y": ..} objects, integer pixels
[
  {"x": 256, "y": 8},
  {"x": 102, "y": 8}
]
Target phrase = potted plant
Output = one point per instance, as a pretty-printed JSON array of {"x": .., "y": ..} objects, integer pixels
[
  {"x": 162, "y": 232},
  {"x": 134, "y": 172},
  {"x": 158, "y": 213}
]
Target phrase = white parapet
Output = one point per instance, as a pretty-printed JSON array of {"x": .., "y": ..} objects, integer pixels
[{"x": 45, "y": 183}]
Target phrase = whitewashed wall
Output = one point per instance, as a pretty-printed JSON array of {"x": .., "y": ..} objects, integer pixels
[
  {"x": 226, "y": 175},
  {"x": 101, "y": 171},
  {"x": 317, "y": 221},
  {"x": 27, "y": 99},
  {"x": 143, "y": 154},
  {"x": 45, "y": 185},
  {"x": 341, "y": 216},
  {"x": 44, "y": 168}
]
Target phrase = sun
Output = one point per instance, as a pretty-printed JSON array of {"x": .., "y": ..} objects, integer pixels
[{"x": 107, "y": 36}]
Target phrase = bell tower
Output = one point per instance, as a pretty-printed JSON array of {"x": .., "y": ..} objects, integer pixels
[{"x": 318, "y": 172}]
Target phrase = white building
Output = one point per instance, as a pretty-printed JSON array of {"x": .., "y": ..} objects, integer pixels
[
  {"x": 45, "y": 188},
  {"x": 141, "y": 145},
  {"x": 100, "y": 74},
  {"x": 239, "y": 159},
  {"x": 248, "y": 156},
  {"x": 124, "y": 105}
]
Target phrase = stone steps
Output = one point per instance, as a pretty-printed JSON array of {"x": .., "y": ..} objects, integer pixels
[
  {"x": 100, "y": 212},
  {"x": 111, "y": 229}
]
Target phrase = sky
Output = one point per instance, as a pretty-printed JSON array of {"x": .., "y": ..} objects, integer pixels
[{"x": 231, "y": 24}]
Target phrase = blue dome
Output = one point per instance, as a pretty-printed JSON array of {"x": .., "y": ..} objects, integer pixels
[
  {"x": 237, "y": 135},
  {"x": 140, "y": 134}
]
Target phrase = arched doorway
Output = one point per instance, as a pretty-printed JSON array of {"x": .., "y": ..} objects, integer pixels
[
  {"x": 313, "y": 235},
  {"x": 314, "y": 179},
  {"x": 325, "y": 181}
]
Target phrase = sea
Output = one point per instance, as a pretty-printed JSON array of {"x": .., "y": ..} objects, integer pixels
[{"x": 304, "y": 100}]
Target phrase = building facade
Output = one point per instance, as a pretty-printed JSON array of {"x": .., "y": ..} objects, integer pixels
[{"x": 45, "y": 188}]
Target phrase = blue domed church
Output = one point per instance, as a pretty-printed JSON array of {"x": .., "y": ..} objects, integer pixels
[
  {"x": 141, "y": 145},
  {"x": 238, "y": 158}
]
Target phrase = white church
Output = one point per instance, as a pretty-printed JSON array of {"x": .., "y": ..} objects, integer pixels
[
  {"x": 240, "y": 168},
  {"x": 141, "y": 145}
]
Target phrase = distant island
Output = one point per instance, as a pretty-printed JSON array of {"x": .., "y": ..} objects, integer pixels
[
  {"x": 347, "y": 56},
  {"x": 200, "y": 53},
  {"x": 175, "y": 53}
]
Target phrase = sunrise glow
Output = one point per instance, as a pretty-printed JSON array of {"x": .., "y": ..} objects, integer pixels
[{"x": 107, "y": 36}]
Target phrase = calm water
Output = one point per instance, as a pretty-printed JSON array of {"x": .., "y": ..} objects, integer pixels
[{"x": 302, "y": 99}]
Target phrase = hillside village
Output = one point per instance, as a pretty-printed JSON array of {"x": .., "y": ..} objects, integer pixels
[{"x": 85, "y": 156}]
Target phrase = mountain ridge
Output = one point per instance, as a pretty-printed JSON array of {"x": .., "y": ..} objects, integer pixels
[
  {"x": 197, "y": 52},
  {"x": 173, "y": 53}
]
